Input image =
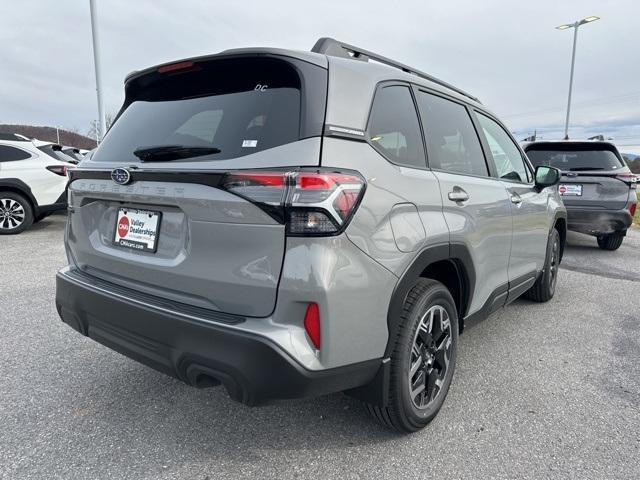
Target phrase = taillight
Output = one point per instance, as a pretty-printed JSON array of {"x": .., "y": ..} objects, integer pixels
[
  {"x": 58, "y": 169},
  {"x": 628, "y": 178},
  {"x": 309, "y": 202},
  {"x": 260, "y": 187},
  {"x": 312, "y": 324},
  {"x": 632, "y": 209}
]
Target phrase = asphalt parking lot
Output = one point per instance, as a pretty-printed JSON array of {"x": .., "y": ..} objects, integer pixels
[{"x": 540, "y": 391}]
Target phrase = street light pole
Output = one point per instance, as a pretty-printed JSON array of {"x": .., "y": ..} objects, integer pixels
[
  {"x": 573, "y": 62},
  {"x": 96, "y": 63}
]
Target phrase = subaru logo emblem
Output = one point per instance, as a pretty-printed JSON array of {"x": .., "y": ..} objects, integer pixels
[{"x": 121, "y": 176}]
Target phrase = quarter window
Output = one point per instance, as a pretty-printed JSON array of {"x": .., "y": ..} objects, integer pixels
[
  {"x": 452, "y": 141},
  {"x": 394, "y": 127},
  {"x": 10, "y": 154},
  {"x": 506, "y": 155}
]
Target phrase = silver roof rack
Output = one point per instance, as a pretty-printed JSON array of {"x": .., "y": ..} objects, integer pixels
[{"x": 330, "y": 46}]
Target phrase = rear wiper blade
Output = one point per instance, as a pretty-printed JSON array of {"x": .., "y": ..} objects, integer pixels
[
  {"x": 585, "y": 169},
  {"x": 161, "y": 153}
]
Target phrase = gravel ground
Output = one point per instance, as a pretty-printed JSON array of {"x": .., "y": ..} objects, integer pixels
[{"x": 540, "y": 391}]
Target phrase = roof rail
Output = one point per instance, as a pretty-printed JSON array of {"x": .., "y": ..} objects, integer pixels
[{"x": 336, "y": 48}]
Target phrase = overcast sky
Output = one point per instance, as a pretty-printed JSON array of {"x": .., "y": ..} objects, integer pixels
[{"x": 506, "y": 52}]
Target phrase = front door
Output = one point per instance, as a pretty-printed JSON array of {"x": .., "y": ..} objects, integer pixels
[{"x": 528, "y": 205}]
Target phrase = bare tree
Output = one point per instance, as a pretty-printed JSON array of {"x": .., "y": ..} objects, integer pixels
[{"x": 93, "y": 126}]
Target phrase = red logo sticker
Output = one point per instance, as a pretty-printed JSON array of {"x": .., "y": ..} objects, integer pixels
[
  {"x": 123, "y": 227},
  {"x": 563, "y": 189}
]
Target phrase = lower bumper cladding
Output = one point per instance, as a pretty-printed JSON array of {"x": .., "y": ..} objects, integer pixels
[
  {"x": 598, "y": 222},
  {"x": 253, "y": 369}
]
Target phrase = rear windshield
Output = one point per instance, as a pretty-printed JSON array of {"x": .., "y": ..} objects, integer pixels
[
  {"x": 232, "y": 107},
  {"x": 576, "y": 158},
  {"x": 56, "y": 153}
]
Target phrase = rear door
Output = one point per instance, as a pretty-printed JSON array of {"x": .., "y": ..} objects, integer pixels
[
  {"x": 528, "y": 205},
  {"x": 476, "y": 206},
  {"x": 148, "y": 209},
  {"x": 30, "y": 168},
  {"x": 594, "y": 175}
]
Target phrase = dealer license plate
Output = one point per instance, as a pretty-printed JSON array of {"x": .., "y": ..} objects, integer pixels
[{"x": 137, "y": 229}]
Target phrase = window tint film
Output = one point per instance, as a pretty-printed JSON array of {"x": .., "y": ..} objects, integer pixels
[
  {"x": 10, "y": 154},
  {"x": 578, "y": 159},
  {"x": 452, "y": 141},
  {"x": 239, "y": 107},
  {"x": 506, "y": 155},
  {"x": 394, "y": 127}
]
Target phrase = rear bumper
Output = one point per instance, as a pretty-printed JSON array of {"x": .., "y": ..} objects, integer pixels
[
  {"x": 201, "y": 353},
  {"x": 597, "y": 222},
  {"x": 59, "y": 204}
]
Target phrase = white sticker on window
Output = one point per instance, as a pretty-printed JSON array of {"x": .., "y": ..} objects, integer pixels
[{"x": 249, "y": 143}]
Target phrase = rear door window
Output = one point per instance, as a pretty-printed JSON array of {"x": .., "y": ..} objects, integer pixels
[
  {"x": 394, "y": 129},
  {"x": 11, "y": 154},
  {"x": 233, "y": 106},
  {"x": 452, "y": 142}
]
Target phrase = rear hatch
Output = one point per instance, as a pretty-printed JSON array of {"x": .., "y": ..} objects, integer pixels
[
  {"x": 593, "y": 173},
  {"x": 149, "y": 210}
]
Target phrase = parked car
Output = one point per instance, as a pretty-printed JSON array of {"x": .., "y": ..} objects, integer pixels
[
  {"x": 597, "y": 187},
  {"x": 32, "y": 184},
  {"x": 55, "y": 151},
  {"x": 73, "y": 152},
  {"x": 290, "y": 224}
]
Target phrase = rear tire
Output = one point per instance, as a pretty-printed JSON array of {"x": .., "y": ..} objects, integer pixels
[
  {"x": 545, "y": 286},
  {"x": 423, "y": 358},
  {"x": 611, "y": 241},
  {"x": 16, "y": 214}
]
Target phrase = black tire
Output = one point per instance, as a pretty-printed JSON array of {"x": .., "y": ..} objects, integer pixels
[
  {"x": 20, "y": 216},
  {"x": 403, "y": 412},
  {"x": 611, "y": 241},
  {"x": 545, "y": 286}
]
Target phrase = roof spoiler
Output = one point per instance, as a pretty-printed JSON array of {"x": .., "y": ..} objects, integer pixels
[{"x": 335, "y": 48}]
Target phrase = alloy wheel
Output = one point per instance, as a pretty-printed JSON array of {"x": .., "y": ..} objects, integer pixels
[
  {"x": 430, "y": 355},
  {"x": 12, "y": 214}
]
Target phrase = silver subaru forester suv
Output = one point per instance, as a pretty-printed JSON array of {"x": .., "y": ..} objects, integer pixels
[{"x": 291, "y": 224}]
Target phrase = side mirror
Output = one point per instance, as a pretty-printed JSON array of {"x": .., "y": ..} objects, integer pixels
[{"x": 547, "y": 176}]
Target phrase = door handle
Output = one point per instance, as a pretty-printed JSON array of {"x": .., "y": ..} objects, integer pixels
[
  {"x": 458, "y": 195},
  {"x": 515, "y": 198}
]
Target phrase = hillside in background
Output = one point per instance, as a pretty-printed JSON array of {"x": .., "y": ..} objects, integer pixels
[
  {"x": 634, "y": 165},
  {"x": 48, "y": 134},
  {"x": 633, "y": 161}
]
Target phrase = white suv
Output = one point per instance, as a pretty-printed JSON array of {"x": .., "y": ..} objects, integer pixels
[{"x": 32, "y": 184}]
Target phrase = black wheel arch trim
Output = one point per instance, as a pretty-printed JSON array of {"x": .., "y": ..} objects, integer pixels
[
  {"x": 560, "y": 215},
  {"x": 18, "y": 186},
  {"x": 376, "y": 392},
  {"x": 460, "y": 257}
]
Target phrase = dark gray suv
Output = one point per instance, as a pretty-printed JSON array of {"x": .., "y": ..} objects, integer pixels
[
  {"x": 597, "y": 187},
  {"x": 290, "y": 224}
]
